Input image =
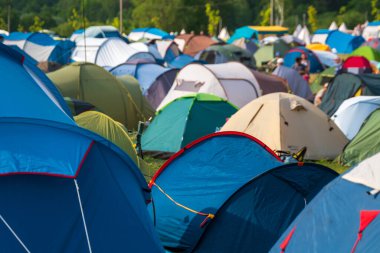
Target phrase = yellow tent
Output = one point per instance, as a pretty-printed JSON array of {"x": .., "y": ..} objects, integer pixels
[
  {"x": 287, "y": 122},
  {"x": 318, "y": 46}
]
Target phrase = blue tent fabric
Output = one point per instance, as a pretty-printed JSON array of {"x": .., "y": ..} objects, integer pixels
[
  {"x": 155, "y": 31},
  {"x": 374, "y": 23},
  {"x": 27, "y": 74},
  {"x": 330, "y": 223},
  {"x": 244, "y": 32},
  {"x": 322, "y": 31},
  {"x": 256, "y": 215},
  {"x": 202, "y": 176},
  {"x": 44, "y": 156},
  {"x": 315, "y": 64},
  {"x": 181, "y": 61},
  {"x": 344, "y": 43}
]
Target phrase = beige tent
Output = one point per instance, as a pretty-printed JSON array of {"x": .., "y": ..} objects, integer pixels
[
  {"x": 287, "y": 122},
  {"x": 94, "y": 85}
]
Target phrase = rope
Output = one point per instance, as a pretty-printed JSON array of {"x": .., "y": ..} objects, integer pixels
[
  {"x": 15, "y": 235},
  {"x": 207, "y": 215},
  {"x": 84, "y": 220}
]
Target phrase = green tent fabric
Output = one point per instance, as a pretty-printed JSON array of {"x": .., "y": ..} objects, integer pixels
[
  {"x": 134, "y": 89},
  {"x": 365, "y": 144},
  {"x": 345, "y": 86},
  {"x": 324, "y": 77},
  {"x": 225, "y": 53},
  {"x": 185, "y": 120},
  {"x": 368, "y": 52},
  {"x": 92, "y": 84},
  {"x": 110, "y": 129},
  {"x": 268, "y": 52}
]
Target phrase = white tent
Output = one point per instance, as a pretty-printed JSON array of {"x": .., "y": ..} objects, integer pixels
[
  {"x": 304, "y": 35},
  {"x": 327, "y": 58},
  {"x": 297, "y": 30},
  {"x": 183, "y": 31},
  {"x": 333, "y": 26},
  {"x": 106, "y": 52},
  {"x": 167, "y": 49},
  {"x": 319, "y": 38},
  {"x": 343, "y": 28},
  {"x": 232, "y": 81},
  {"x": 371, "y": 30},
  {"x": 224, "y": 35},
  {"x": 353, "y": 112},
  {"x": 144, "y": 48}
]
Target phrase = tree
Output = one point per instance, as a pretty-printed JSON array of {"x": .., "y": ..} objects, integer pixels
[
  {"x": 312, "y": 18},
  {"x": 37, "y": 24},
  {"x": 76, "y": 21},
  {"x": 374, "y": 10},
  {"x": 265, "y": 16},
  {"x": 213, "y": 19}
]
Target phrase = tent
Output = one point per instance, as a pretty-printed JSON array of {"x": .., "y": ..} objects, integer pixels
[
  {"x": 328, "y": 59},
  {"x": 111, "y": 130},
  {"x": 106, "y": 52},
  {"x": 343, "y": 217},
  {"x": 253, "y": 32},
  {"x": 356, "y": 65},
  {"x": 268, "y": 52},
  {"x": 368, "y": 52},
  {"x": 345, "y": 86},
  {"x": 333, "y": 26},
  {"x": 93, "y": 84},
  {"x": 77, "y": 106},
  {"x": 297, "y": 84},
  {"x": 255, "y": 216},
  {"x": 286, "y": 122},
  {"x": 192, "y": 44},
  {"x": 304, "y": 35},
  {"x": 292, "y": 40},
  {"x": 155, "y": 80},
  {"x": 365, "y": 143},
  {"x": 184, "y": 120},
  {"x": 248, "y": 45},
  {"x": 297, "y": 30},
  {"x": 353, "y": 112},
  {"x": 223, "y": 34},
  {"x": 181, "y": 61},
  {"x": 168, "y": 49},
  {"x": 374, "y": 43},
  {"x": 226, "y": 53},
  {"x": 270, "y": 83},
  {"x": 320, "y": 36},
  {"x": 318, "y": 46},
  {"x": 102, "y": 32},
  {"x": 148, "y": 48},
  {"x": 315, "y": 64},
  {"x": 232, "y": 81},
  {"x": 372, "y": 30},
  {"x": 202, "y": 176},
  {"x": 322, "y": 78},
  {"x": 149, "y": 33},
  {"x": 342, "y": 42},
  {"x": 41, "y": 47},
  {"x": 77, "y": 34},
  {"x": 343, "y": 28},
  {"x": 63, "y": 187}
]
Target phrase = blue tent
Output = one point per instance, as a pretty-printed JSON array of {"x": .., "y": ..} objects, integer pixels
[
  {"x": 154, "y": 79},
  {"x": 148, "y": 33},
  {"x": 201, "y": 177},
  {"x": 343, "y": 217},
  {"x": 41, "y": 46},
  {"x": 244, "y": 32},
  {"x": 315, "y": 64},
  {"x": 181, "y": 61},
  {"x": 343, "y": 43},
  {"x": 256, "y": 215},
  {"x": 64, "y": 189}
]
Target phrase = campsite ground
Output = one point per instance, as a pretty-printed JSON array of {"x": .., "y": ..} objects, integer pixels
[{"x": 152, "y": 165}]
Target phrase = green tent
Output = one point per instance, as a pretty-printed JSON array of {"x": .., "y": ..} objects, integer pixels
[
  {"x": 268, "y": 52},
  {"x": 226, "y": 53},
  {"x": 368, "y": 52},
  {"x": 185, "y": 120},
  {"x": 324, "y": 77},
  {"x": 365, "y": 144},
  {"x": 77, "y": 106},
  {"x": 92, "y": 84}
]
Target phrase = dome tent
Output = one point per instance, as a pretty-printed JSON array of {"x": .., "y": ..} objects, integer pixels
[
  {"x": 286, "y": 122},
  {"x": 343, "y": 217},
  {"x": 247, "y": 223},
  {"x": 93, "y": 84},
  {"x": 184, "y": 120},
  {"x": 268, "y": 52},
  {"x": 203, "y": 166},
  {"x": 315, "y": 64},
  {"x": 63, "y": 187},
  {"x": 192, "y": 44},
  {"x": 106, "y": 52},
  {"x": 231, "y": 81}
]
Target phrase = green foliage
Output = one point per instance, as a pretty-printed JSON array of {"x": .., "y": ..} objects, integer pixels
[
  {"x": 3, "y": 25},
  {"x": 213, "y": 19},
  {"x": 37, "y": 24},
  {"x": 312, "y": 18},
  {"x": 374, "y": 10},
  {"x": 75, "y": 21},
  {"x": 265, "y": 16}
]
